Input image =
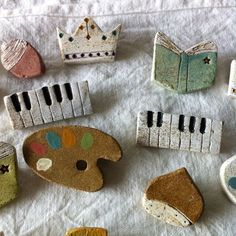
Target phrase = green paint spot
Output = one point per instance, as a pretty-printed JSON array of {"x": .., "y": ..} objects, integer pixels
[
  {"x": 61, "y": 35},
  {"x": 104, "y": 37},
  {"x": 232, "y": 182},
  {"x": 53, "y": 139},
  {"x": 87, "y": 141}
]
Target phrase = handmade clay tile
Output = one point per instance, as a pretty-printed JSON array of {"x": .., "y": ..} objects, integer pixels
[
  {"x": 174, "y": 199},
  {"x": 68, "y": 155},
  {"x": 88, "y": 44},
  {"x": 228, "y": 178},
  {"x": 87, "y": 231},
  {"x": 48, "y": 104},
  {"x": 21, "y": 59},
  {"x": 183, "y": 71},
  {"x": 190, "y": 133},
  {"x": 8, "y": 174}
]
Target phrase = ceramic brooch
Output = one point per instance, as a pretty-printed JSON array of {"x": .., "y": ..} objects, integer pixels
[
  {"x": 48, "y": 104},
  {"x": 8, "y": 174},
  {"x": 68, "y": 155},
  {"x": 183, "y": 71},
  {"x": 190, "y": 133},
  {"x": 88, "y": 44},
  {"x": 174, "y": 199},
  {"x": 21, "y": 59}
]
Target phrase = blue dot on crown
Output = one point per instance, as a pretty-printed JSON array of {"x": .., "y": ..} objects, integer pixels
[{"x": 232, "y": 182}]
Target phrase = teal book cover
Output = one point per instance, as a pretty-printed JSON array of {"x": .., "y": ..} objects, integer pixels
[{"x": 183, "y": 71}]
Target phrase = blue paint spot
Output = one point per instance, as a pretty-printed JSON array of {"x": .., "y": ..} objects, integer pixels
[
  {"x": 232, "y": 182},
  {"x": 53, "y": 139}
]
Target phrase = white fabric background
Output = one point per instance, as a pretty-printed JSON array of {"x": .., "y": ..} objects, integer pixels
[{"x": 118, "y": 91}]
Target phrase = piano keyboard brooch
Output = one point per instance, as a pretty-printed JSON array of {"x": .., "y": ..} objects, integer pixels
[
  {"x": 88, "y": 44},
  {"x": 183, "y": 71},
  {"x": 48, "y": 104},
  {"x": 157, "y": 129}
]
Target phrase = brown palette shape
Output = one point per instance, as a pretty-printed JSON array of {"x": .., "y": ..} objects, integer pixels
[{"x": 68, "y": 155}]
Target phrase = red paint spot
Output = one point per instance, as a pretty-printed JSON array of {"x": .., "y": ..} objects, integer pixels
[{"x": 38, "y": 149}]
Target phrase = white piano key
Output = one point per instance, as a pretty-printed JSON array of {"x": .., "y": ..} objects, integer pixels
[
  {"x": 185, "y": 135},
  {"x": 25, "y": 113},
  {"x": 216, "y": 132},
  {"x": 15, "y": 118},
  {"x": 206, "y": 137},
  {"x": 142, "y": 135},
  {"x": 154, "y": 132},
  {"x": 66, "y": 105},
  {"x": 232, "y": 80},
  {"x": 175, "y": 133},
  {"x": 164, "y": 135},
  {"x": 55, "y": 107},
  {"x": 76, "y": 101},
  {"x": 44, "y": 108},
  {"x": 85, "y": 98},
  {"x": 35, "y": 109},
  {"x": 196, "y": 137}
]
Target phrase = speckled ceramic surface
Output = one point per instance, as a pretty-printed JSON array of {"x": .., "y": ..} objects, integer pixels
[{"x": 228, "y": 178}]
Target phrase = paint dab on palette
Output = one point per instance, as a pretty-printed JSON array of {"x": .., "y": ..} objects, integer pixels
[
  {"x": 21, "y": 59},
  {"x": 174, "y": 199},
  {"x": 88, "y": 44},
  {"x": 8, "y": 174},
  {"x": 87, "y": 231},
  {"x": 228, "y": 178},
  {"x": 183, "y": 71},
  {"x": 68, "y": 155}
]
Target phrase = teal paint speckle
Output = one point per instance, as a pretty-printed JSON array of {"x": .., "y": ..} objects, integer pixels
[
  {"x": 53, "y": 139},
  {"x": 232, "y": 182},
  {"x": 87, "y": 141}
]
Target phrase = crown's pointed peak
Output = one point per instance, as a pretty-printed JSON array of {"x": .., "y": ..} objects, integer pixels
[{"x": 116, "y": 30}]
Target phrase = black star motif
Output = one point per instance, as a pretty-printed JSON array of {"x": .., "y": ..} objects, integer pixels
[
  {"x": 206, "y": 60},
  {"x": 4, "y": 169}
]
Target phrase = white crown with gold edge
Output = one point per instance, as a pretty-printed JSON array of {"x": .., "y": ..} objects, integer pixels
[{"x": 88, "y": 44}]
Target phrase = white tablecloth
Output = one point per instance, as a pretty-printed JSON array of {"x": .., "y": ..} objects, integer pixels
[{"x": 118, "y": 91}]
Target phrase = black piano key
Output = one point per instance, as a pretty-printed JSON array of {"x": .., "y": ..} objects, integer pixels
[
  {"x": 192, "y": 124},
  {"x": 68, "y": 91},
  {"x": 57, "y": 92},
  {"x": 47, "y": 96},
  {"x": 15, "y": 102},
  {"x": 203, "y": 125},
  {"x": 159, "y": 119},
  {"x": 26, "y": 100},
  {"x": 181, "y": 123},
  {"x": 149, "y": 118}
]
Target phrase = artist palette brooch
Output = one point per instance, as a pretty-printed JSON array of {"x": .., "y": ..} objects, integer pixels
[
  {"x": 21, "y": 59},
  {"x": 174, "y": 199},
  {"x": 8, "y": 174},
  {"x": 68, "y": 155},
  {"x": 228, "y": 178},
  {"x": 183, "y": 71},
  {"x": 88, "y": 44}
]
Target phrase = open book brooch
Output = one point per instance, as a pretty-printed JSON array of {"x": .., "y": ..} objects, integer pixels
[
  {"x": 88, "y": 44},
  {"x": 183, "y": 71}
]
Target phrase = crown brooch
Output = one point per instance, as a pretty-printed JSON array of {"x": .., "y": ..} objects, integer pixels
[{"x": 88, "y": 44}]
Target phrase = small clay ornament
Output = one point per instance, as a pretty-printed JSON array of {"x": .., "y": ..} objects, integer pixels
[
  {"x": 87, "y": 231},
  {"x": 183, "y": 71},
  {"x": 88, "y": 44},
  {"x": 174, "y": 199},
  {"x": 21, "y": 59},
  {"x": 232, "y": 80},
  {"x": 68, "y": 155},
  {"x": 228, "y": 178},
  {"x": 8, "y": 173},
  {"x": 190, "y": 133}
]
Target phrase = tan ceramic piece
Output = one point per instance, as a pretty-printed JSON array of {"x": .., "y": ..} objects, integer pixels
[
  {"x": 68, "y": 155},
  {"x": 174, "y": 198},
  {"x": 87, "y": 231}
]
